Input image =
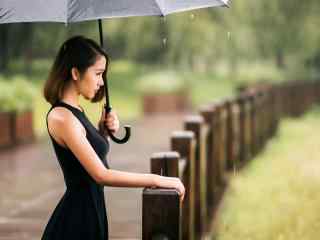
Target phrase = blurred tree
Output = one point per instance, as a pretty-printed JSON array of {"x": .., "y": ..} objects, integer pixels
[
  {"x": 4, "y": 46},
  {"x": 191, "y": 40},
  {"x": 144, "y": 40},
  {"x": 234, "y": 40},
  {"x": 248, "y": 31},
  {"x": 16, "y": 42},
  {"x": 277, "y": 26}
]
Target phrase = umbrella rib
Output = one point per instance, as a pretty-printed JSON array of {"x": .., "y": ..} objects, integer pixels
[
  {"x": 162, "y": 10},
  {"x": 226, "y": 2},
  {"x": 67, "y": 11},
  {"x": 4, "y": 13}
]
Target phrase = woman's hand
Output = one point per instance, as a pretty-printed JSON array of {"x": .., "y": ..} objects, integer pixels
[
  {"x": 110, "y": 122},
  {"x": 171, "y": 182}
]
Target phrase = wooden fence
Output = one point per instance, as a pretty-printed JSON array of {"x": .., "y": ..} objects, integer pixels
[{"x": 221, "y": 138}]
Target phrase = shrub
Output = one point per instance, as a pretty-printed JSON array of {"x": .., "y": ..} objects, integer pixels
[
  {"x": 16, "y": 94},
  {"x": 162, "y": 82}
]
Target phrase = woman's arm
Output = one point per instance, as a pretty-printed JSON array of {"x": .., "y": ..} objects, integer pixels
[{"x": 69, "y": 129}]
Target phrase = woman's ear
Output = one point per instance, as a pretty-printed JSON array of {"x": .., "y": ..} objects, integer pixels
[{"x": 75, "y": 74}]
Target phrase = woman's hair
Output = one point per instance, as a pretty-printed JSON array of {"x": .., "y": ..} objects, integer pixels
[{"x": 78, "y": 52}]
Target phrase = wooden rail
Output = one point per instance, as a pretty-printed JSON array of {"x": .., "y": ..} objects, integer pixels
[{"x": 220, "y": 139}]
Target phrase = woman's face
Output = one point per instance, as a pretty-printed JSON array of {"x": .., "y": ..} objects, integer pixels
[{"x": 92, "y": 80}]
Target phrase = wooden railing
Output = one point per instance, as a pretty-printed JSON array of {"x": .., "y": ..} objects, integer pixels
[{"x": 218, "y": 140}]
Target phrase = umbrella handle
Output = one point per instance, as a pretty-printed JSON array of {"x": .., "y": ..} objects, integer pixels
[
  {"x": 124, "y": 139},
  {"x": 126, "y": 127}
]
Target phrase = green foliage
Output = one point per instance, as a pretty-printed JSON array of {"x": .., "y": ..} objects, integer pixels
[
  {"x": 281, "y": 28},
  {"x": 38, "y": 69},
  {"x": 209, "y": 86},
  {"x": 162, "y": 82},
  {"x": 285, "y": 32},
  {"x": 276, "y": 196},
  {"x": 16, "y": 94},
  {"x": 249, "y": 73}
]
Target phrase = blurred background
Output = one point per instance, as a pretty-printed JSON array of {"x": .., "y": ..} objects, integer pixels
[
  {"x": 205, "y": 54},
  {"x": 212, "y": 51}
]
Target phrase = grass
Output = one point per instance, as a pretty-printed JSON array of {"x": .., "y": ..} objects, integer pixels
[{"x": 277, "y": 197}]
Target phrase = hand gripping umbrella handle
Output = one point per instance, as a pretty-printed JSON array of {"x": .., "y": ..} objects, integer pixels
[{"x": 126, "y": 127}]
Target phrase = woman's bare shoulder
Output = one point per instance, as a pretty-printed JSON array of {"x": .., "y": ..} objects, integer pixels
[
  {"x": 59, "y": 120},
  {"x": 58, "y": 114}
]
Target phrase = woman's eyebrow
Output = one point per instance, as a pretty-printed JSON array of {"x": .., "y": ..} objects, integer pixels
[{"x": 100, "y": 69}]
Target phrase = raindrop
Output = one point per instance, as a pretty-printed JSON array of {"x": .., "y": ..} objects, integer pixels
[
  {"x": 234, "y": 171},
  {"x": 191, "y": 16},
  {"x": 164, "y": 41},
  {"x": 229, "y": 35},
  {"x": 163, "y": 19}
]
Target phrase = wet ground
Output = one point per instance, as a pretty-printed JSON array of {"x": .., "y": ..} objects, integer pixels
[{"x": 31, "y": 182}]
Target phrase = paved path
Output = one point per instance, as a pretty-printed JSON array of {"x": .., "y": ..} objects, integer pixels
[{"x": 31, "y": 182}]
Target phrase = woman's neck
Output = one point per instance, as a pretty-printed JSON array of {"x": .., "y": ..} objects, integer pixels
[{"x": 71, "y": 96}]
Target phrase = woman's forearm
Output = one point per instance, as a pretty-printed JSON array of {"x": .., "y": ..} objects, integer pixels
[{"x": 115, "y": 178}]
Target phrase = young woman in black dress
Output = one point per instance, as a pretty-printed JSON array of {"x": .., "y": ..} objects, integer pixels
[{"x": 80, "y": 69}]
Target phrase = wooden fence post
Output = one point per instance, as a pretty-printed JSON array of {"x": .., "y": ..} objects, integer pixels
[
  {"x": 280, "y": 101},
  {"x": 270, "y": 113},
  {"x": 233, "y": 134},
  {"x": 208, "y": 113},
  {"x": 317, "y": 91},
  {"x": 259, "y": 121},
  {"x": 184, "y": 143},
  {"x": 220, "y": 139},
  {"x": 197, "y": 126},
  {"x": 161, "y": 215},
  {"x": 264, "y": 116},
  {"x": 289, "y": 98},
  {"x": 242, "y": 147},
  {"x": 277, "y": 107},
  {"x": 274, "y": 109},
  {"x": 253, "y": 116},
  {"x": 165, "y": 164},
  {"x": 247, "y": 127}
]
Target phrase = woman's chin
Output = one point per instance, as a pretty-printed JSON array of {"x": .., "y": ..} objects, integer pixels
[{"x": 89, "y": 97}]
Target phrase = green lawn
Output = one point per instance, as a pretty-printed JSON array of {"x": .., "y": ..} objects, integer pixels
[{"x": 276, "y": 196}]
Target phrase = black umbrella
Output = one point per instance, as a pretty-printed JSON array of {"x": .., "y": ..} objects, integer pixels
[{"x": 67, "y": 11}]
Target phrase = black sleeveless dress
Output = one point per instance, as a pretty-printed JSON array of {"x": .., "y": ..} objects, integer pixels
[{"x": 81, "y": 212}]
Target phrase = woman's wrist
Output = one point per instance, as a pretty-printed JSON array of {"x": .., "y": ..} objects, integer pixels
[{"x": 154, "y": 180}]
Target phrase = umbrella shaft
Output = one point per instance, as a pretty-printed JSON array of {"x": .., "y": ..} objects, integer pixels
[
  {"x": 100, "y": 32},
  {"x": 106, "y": 81}
]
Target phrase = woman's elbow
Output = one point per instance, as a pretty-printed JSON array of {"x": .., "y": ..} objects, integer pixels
[{"x": 101, "y": 177}]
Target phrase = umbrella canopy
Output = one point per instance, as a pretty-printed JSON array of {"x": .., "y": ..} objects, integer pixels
[{"x": 67, "y": 11}]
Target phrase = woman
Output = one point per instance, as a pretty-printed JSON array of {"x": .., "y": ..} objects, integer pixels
[{"x": 80, "y": 69}]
